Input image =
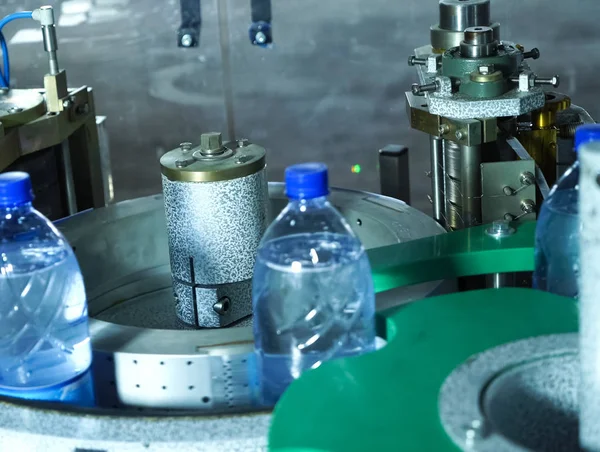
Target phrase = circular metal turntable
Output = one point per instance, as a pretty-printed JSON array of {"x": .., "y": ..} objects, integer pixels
[
  {"x": 161, "y": 384},
  {"x": 517, "y": 397}
]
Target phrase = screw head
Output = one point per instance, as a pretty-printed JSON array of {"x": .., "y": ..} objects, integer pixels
[
  {"x": 15, "y": 110},
  {"x": 260, "y": 38},
  {"x": 222, "y": 306},
  {"x": 186, "y": 146},
  {"x": 459, "y": 135},
  {"x": 67, "y": 103},
  {"x": 500, "y": 229},
  {"x": 444, "y": 129},
  {"x": 527, "y": 206},
  {"x": 187, "y": 40},
  {"x": 527, "y": 178},
  {"x": 508, "y": 191}
]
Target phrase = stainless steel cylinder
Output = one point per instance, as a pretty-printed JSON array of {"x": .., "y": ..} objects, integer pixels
[
  {"x": 470, "y": 168},
  {"x": 479, "y": 42},
  {"x": 457, "y": 15},
  {"x": 437, "y": 179},
  {"x": 462, "y": 182},
  {"x": 216, "y": 208}
]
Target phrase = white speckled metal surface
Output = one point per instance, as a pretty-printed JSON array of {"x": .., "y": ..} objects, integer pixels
[
  {"x": 513, "y": 103},
  {"x": 521, "y": 396},
  {"x": 214, "y": 229}
]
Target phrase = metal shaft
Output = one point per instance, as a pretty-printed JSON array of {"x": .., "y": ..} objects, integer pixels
[
  {"x": 51, "y": 46},
  {"x": 437, "y": 179},
  {"x": 471, "y": 184},
  {"x": 462, "y": 181}
]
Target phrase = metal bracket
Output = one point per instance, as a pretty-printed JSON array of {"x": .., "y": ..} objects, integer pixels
[
  {"x": 508, "y": 191},
  {"x": 188, "y": 34}
]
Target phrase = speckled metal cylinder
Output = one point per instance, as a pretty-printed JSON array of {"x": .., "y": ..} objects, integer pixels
[
  {"x": 589, "y": 288},
  {"x": 215, "y": 220}
]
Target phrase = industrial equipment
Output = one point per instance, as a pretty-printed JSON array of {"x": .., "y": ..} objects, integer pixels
[
  {"x": 53, "y": 134},
  {"x": 495, "y": 132},
  {"x": 461, "y": 371},
  {"x": 216, "y": 207}
]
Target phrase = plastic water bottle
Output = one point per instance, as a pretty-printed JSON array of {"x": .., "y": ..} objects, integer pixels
[
  {"x": 557, "y": 231},
  {"x": 313, "y": 296},
  {"x": 45, "y": 351}
]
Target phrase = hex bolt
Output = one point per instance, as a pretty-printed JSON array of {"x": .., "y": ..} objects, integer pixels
[
  {"x": 533, "y": 53},
  {"x": 552, "y": 81},
  {"x": 211, "y": 143},
  {"x": 528, "y": 206},
  {"x": 499, "y": 229},
  {"x": 413, "y": 61},
  {"x": 181, "y": 163},
  {"x": 222, "y": 306},
  {"x": 67, "y": 103},
  {"x": 527, "y": 178},
  {"x": 508, "y": 191},
  {"x": 444, "y": 129},
  {"x": 243, "y": 142},
  {"x": 419, "y": 90}
]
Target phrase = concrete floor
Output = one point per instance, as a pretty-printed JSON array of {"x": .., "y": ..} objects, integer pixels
[{"x": 331, "y": 88}]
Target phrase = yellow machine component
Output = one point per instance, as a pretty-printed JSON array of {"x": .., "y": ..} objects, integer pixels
[{"x": 541, "y": 139}]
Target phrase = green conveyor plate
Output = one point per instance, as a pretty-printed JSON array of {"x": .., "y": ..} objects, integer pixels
[{"x": 388, "y": 400}]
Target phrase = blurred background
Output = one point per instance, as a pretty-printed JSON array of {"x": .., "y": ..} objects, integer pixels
[{"x": 331, "y": 88}]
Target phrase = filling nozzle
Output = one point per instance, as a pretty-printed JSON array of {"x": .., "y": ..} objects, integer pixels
[{"x": 45, "y": 16}]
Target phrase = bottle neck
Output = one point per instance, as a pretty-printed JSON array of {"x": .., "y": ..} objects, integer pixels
[
  {"x": 8, "y": 209},
  {"x": 303, "y": 204}
]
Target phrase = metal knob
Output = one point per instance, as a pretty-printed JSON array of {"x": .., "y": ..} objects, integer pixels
[{"x": 533, "y": 54}]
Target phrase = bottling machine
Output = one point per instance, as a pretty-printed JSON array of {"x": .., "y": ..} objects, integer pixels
[
  {"x": 168, "y": 276},
  {"x": 498, "y": 138}
]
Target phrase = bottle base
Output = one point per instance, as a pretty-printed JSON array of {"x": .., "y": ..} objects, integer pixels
[{"x": 77, "y": 391}]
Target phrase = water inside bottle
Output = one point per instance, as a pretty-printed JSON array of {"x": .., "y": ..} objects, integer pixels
[
  {"x": 43, "y": 318},
  {"x": 312, "y": 304}
]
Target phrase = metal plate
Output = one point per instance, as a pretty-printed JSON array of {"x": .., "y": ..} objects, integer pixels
[
  {"x": 520, "y": 396},
  {"x": 495, "y": 178},
  {"x": 144, "y": 356},
  {"x": 20, "y": 106}
]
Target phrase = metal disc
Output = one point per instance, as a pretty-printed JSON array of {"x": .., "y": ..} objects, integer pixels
[{"x": 520, "y": 396}]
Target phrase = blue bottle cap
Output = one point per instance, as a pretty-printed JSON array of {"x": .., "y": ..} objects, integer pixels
[
  {"x": 15, "y": 188},
  {"x": 306, "y": 181},
  {"x": 586, "y": 133}
]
